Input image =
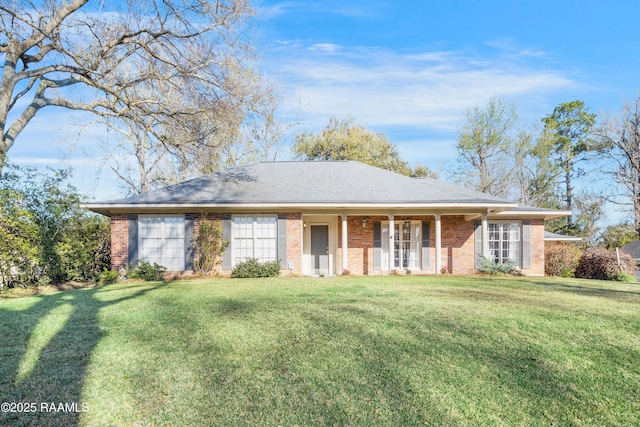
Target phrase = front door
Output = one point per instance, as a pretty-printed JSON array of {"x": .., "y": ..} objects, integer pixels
[{"x": 320, "y": 249}]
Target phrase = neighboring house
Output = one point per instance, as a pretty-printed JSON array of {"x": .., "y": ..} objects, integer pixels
[
  {"x": 326, "y": 218},
  {"x": 633, "y": 249}
]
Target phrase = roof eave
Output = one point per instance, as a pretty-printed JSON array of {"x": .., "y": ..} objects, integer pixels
[
  {"x": 115, "y": 208},
  {"x": 563, "y": 239},
  {"x": 547, "y": 215}
]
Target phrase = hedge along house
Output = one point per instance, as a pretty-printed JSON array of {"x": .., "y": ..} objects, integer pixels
[{"x": 326, "y": 218}]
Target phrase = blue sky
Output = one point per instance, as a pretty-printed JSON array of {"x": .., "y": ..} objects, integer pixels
[{"x": 410, "y": 69}]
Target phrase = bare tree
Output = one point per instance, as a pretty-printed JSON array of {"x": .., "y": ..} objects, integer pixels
[
  {"x": 621, "y": 139},
  {"x": 243, "y": 131},
  {"x": 536, "y": 179},
  {"x": 184, "y": 48},
  {"x": 483, "y": 144},
  {"x": 135, "y": 159}
]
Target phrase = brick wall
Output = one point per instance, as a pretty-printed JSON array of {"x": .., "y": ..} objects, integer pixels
[
  {"x": 294, "y": 241},
  {"x": 119, "y": 241},
  {"x": 360, "y": 242},
  {"x": 458, "y": 245},
  {"x": 294, "y": 238},
  {"x": 537, "y": 249},
  {"x": 120, "y": 238}
]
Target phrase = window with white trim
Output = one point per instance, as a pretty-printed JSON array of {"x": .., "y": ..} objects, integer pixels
[
  {"x": 254, "y": 237},
  {"x": 406, "y": 242},
  {"x": 161, "y": 240},
  {"x": 504, "y": 241}
]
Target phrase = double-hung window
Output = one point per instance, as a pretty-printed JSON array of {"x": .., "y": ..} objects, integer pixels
[
  {"x": 504, "y": 241},
  {"x": 254, "y": 237},
  {"x": 161, "y": 240}
]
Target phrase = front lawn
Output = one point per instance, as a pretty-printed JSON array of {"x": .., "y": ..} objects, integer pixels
[{"x": 335, "y": 351}]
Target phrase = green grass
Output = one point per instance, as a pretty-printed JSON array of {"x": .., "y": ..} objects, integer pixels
[{"x": 340, "y": 351}]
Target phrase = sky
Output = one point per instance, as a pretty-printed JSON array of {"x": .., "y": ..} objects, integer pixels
[{"x": 409, "y": 69}]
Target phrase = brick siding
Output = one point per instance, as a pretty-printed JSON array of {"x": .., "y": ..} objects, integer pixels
[
  {"x": 119, "y": 241},
  {"x": 294, "y": 242},
  {"x": 458, "y": 245}
]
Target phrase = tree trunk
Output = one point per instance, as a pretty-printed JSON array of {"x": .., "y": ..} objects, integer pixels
[
  {"x": 3, "y": 157},
  {"x": 567, "y": 177}
]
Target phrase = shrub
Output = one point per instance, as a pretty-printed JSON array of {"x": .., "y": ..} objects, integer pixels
[
  {"x": 624, "y": 277},
  {"x": 209, "y": 247},
  {"x": 601, "y": 264},
  {"x": 497, "y": 268},
  {"x": 561, "y": 260},
  {"x": 252, "y": 268},
  {"x": 147, "y": 271},
  {"x": 45, "y": 236},
  {"x": 107, "y": 277}
]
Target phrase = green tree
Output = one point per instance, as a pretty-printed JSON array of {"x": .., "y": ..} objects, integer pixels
[
  {"x": 19, "y": 239},
  {"x": 618, "y": 235},
  {"x": 569, "y": 128},
  {"x": 49, "y": 237},
  {"x": 344, "y": 139},
  {"x": 483, "y": 144}
]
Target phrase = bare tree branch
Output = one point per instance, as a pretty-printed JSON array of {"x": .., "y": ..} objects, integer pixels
[{"x": 143, "y": 65}]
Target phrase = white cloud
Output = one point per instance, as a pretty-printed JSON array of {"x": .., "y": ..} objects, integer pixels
[
  {"x": 325, "y": 47},
  {"x": 336, "y": 7},
  {"x": 429, "y": 90}
]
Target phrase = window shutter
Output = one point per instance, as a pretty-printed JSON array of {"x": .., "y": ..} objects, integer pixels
[
  {"x": 189, "y": 242},
  {"x": 282, "y": 241},
  {"x": 426, "y": 242},
  {"x": 133, "y": 240},
  {"x": 478, "y": 245},
  {"x": 226, "y": 236},
  {"x": 526, "y": 244},
  {"x": 377, "y": 246}
]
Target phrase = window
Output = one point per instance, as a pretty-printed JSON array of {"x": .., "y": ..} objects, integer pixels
[
  {"x": 254, "y": 237},
  {"x": 406, "y": 242},
  {"x": 504, "y": 242},
  {"x": 161, "y": 240}
]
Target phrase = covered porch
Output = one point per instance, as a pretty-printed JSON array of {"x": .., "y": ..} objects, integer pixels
[{"x": 369, "y": 243}]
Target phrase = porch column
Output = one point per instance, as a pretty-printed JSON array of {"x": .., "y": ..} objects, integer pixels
[
  {"x": 392, "y": 231},
  {"x": 485, "y": 236},
  {"x": 438, "y": 243},
  {"x": 345, "y": 252}
]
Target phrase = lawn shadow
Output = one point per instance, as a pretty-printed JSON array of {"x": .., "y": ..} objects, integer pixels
[
  {"x": 591, "y": 291},
  {"x": 44, "y": 365},
  {"x": 389, "y": 381}
]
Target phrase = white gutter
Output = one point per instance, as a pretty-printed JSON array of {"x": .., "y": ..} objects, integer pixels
[
  {"x": 547, "y": 214},
  {"x": 138, "y": 206}
]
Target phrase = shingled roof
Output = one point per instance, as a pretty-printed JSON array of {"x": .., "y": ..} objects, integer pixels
[{"x": 308, "y": 182}]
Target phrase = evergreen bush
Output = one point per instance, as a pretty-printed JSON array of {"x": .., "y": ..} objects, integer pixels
[
  {"x": 252, "y": 268},
  {"x": 147, "y": 271},
  {"x": 497, "y": 268},
  {"x": 107, "y": 277}
]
